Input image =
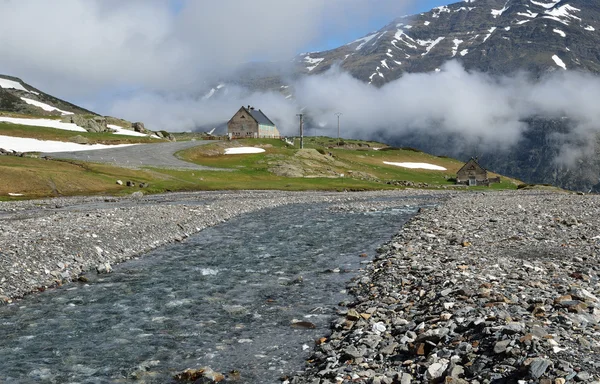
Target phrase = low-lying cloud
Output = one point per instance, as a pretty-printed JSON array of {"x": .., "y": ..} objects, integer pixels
[{"x": 485, "y": 110}]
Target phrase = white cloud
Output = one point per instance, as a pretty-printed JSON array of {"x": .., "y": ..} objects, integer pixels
[{"x": 77, "y": 48}]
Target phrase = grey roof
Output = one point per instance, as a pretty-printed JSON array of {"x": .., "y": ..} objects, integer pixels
[{"x": 260, "y": 117}]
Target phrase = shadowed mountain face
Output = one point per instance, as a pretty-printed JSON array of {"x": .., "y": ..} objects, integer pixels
[
  {"x": 19, "y": 97},
  {"x": 493, "y": 36}
]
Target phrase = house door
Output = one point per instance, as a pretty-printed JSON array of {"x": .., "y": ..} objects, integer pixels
[{"x": 472, "y": 181}]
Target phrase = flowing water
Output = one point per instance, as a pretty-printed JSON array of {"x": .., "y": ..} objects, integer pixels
[{"x": 225, "y": 298}]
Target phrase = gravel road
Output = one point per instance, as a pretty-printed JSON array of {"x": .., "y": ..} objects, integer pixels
[{"x": 161, "y": 155}]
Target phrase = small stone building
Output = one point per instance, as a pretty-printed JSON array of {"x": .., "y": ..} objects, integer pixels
[
  {"x": 472, "y": 174},
  {"x": 249, "y": 122}
]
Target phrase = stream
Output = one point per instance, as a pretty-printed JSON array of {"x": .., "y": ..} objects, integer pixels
[{"x": 226, "y": 298}]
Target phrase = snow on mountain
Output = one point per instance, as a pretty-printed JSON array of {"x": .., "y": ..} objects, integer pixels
[
  {"x": 45, "y": 107},
  {"x": 10, "y": 84},
  {"x": 497, "y": 36},
  {"x": 48, "y": 123}
]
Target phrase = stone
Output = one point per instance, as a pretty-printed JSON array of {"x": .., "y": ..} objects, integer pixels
[
  {"x": 501, "y": 346},
  {"x": 538, "y": 367},
  {"x": 139, "y": 127},
  {"x": 103, "y": 268},
  {"x": 130, "y": 183},
  {"x": 119, "y": 182},
  {"x": 436, "y": 370},
  {"x": 352, "y": 315},
  {"x": 583, "y": 376}
]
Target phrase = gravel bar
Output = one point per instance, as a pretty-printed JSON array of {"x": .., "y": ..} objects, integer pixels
[{"x": 485, "y": 288}]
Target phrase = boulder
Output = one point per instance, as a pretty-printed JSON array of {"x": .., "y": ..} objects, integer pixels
[
  {"x": 139, "y": 127},
  {"x": 104, "y": 268}
]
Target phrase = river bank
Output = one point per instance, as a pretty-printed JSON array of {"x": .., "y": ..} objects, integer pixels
[
  {"x": 44, "y": 243},
  {"x": 495, "y": 287}
]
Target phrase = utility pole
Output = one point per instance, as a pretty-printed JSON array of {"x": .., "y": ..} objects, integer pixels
[
  {"x": 338, "y": 116},
  {"x": 301, "y": 130}
]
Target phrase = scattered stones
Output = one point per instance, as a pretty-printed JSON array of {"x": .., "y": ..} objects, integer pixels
[
  {"x": 462, "y": 299},
  {"x": 200, "y": 376}
]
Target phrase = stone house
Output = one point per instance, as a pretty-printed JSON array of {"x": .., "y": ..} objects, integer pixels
[
  {"x": 250, "y": 122},
  {"x": 472, "y": 174}
]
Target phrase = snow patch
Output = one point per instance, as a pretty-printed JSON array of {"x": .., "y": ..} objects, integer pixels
[
  {"x": 546, "y": 5},
  {"x": 243, "y": 150},
  {"x": 426, "y": 23},
  {"x": 432, "y": 167},
  {"x": 5, "y": 83},
  {"x": 429, "y": 44},
  {"x": 491, "y": 31},
  {"x": 310, "y": 60},
  {"x": 45, "y": 107},
  {"x": 363, "y": 41},
  {"x": 464, "y": 52},
  {"x": 22, "y": 144},
  {"x": 590, "y": 28},
  {"x": 43, "y": 123},
  {"x": 559, "y": 62},
  {"x": 563, "y": 12},
  {"x": 127, "y": 132},
  {"x": 457, "y": 43},
  {"x": 562, "y": 33},
  {"x": 498, "y": 12}
]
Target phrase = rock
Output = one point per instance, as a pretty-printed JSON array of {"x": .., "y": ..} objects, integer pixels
[
  {"x": 501, "y": 346},
  {"x": 583, "y": 376},
  {"x": 538, "y": 367},
  {"x": 143, "y": 185},
  {"x": 303, "y": 325},
  {"x": 139, "y": 127},
  {"x": 119, "y": 182},
  {"x": 130, "y": 183},
  {"x": 137, "y": 195},
  {"x": 436, "y": 370},
  {"x": 90, "y": 124},
  {"x": 352, "y": 315},
  {"x": 200, "y": 376},
  {"x": 103, "y": 268}
]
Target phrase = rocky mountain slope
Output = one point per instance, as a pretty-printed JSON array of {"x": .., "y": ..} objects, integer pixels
[
  {"x": 19, "y": 97},
  {"x": 493, "y": 36}
]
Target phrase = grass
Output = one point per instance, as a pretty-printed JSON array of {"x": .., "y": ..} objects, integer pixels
[{"x": 39, "y": 178}]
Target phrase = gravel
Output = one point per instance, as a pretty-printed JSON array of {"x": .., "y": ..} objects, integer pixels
[{"x": 487, "y": 287}]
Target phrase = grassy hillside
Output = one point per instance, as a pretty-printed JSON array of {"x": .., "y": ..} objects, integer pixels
[{"x": 320, "y": 166}]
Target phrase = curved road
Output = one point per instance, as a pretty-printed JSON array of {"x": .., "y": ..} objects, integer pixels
[{"x": 160, "y": 155}]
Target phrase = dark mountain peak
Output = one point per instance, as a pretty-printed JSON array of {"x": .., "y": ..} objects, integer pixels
[{"x": 496, "y": 36}]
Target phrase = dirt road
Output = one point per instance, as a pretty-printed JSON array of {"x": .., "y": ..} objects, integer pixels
[{"x": 160, "y": 155}]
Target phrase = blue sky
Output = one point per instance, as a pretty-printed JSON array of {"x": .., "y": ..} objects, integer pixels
[{"x": 334, "y": 37}]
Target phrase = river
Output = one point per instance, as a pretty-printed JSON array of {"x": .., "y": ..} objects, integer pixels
[{"x": 226, "y": 298}]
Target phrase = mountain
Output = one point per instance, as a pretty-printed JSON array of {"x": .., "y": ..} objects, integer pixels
[
  {"x": 492, "y": 36},
  {"x": 19, "y": 97}
]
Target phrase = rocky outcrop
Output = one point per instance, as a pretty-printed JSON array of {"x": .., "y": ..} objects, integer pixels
[{"x": 89, "y": 123}]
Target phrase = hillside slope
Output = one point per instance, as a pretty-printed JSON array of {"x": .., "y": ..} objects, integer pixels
[{"x": 19, "y": 97}]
